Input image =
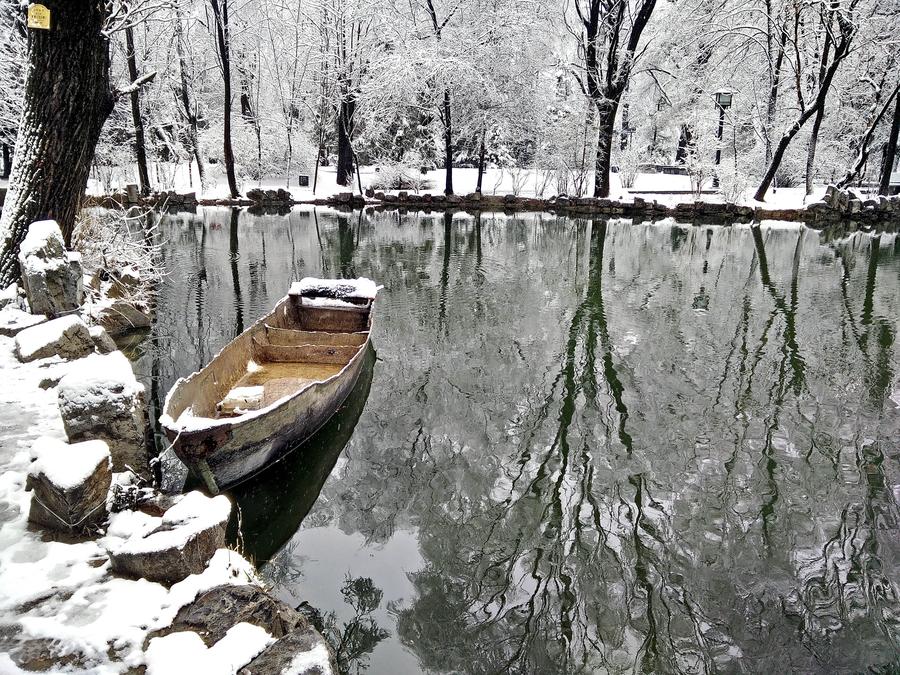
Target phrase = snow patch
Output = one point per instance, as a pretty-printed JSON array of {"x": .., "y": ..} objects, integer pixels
[
  {"x": 68, "y": 466},
  {"x": 100, "y": 373},
  {"x": 317, "y": 656},
  {"x": 185, "y": 652},
  {"x": 326, "y": 302},
  {"x": 361, "y": 288}
]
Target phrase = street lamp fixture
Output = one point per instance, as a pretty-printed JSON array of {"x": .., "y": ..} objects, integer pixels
[
  {"x": 723, "y": 102},
  {"x": 723, "y": 99}
]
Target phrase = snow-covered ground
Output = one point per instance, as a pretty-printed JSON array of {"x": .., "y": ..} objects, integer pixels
[
  {"x": 62, "y": 594},
  {"x": 649, "y": 186}
]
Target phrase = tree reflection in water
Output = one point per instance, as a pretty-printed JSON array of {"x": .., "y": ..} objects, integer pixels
[
  {"x": 353, "y": 640},
  {"x": 618, "y": 447}
]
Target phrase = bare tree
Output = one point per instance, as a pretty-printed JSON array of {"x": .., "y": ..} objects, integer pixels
[
  {"x": 140, "y": 145},
  {"x": 609, "y": 36},
  {"x": 187, "y": 104},
  {"x": 223, "y": 47},
  {"x": 837, "y": 21}
]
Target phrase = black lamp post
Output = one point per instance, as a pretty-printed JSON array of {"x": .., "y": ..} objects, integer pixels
[{"x": 723, "y": 102}]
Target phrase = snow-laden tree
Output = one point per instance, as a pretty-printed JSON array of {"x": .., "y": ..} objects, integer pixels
[
  {"x": 608, "y": 34},
  {"x": 12, "y": 77},
  {"x": 469, "y": 69},
  {"x": 66, "y": 100}
]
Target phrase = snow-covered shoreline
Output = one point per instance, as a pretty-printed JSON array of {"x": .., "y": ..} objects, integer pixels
[
  {"x": 60, "y": 590},
  {"x": 100, "y": 573}
]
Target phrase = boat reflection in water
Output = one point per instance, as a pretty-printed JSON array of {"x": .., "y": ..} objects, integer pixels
[{"x": 270, "y": 506}]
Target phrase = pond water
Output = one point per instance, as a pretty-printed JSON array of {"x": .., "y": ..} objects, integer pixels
[{"x": 581, "y": 445}]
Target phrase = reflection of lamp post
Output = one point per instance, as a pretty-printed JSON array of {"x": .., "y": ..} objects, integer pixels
[{"x": 723, "y": 102}]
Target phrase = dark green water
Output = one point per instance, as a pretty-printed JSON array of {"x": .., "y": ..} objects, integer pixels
[{"x": 583, "y": 446}]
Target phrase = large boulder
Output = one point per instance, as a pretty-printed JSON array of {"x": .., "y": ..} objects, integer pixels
[
  {"x": 67, "y": 337},
  {"x": 69, "y": 484},
  {"x": 301, "y": 652},
  {"x": 213, "y": 613},
  {"x": 51, "y": 276},
  {"x": 181, "y": 543},
  {"x": 101, "y": 398}
]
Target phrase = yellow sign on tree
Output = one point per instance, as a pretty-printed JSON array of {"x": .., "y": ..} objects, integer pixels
[{"x": 38, "y": 16}]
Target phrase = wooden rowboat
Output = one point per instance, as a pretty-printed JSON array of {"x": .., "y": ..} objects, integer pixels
[{"x": 274, "y": 385}]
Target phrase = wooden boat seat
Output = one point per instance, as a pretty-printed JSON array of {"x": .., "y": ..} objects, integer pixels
[
  {"x": 292, "y": 337},
  {"x": 328, "y": 319},
  {"x": 265, "y": 352}
]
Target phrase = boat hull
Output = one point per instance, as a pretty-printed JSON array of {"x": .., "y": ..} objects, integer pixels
[
  {"x": 243, "y": 450},
  {"x": 225, "y": 452}
]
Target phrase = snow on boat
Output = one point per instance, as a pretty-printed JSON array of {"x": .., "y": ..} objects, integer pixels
[{"x": 274, "y": 385}]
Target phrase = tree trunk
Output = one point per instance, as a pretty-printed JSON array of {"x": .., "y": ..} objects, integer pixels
[
  {"x": 772, "y": 106},
  {"x": 606, "y": 120},
  {"x": 775, "y": 162},
  {"x": 189, "y": 111},
  {"x": 811, "y": 151},
  {"x": 685, "y": 139},
  {"x": 618, "y": 68},
  {"x": 817, "y": 122},
  {"x": 66, "y": 101},
  {"x": 7, "y": 161},
  {"x": 318, "y": 159},
  {"x": 345, "y": 136},
  {"x": 481, "y": 152},
  {"x": 448, "y": 143},
  {"x": 140, "y": 146},
  {"x": 223, "y": 44},
  {"x": 890, "y": 152}
]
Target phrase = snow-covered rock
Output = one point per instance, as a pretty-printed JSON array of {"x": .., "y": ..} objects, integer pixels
[
  {"x": 124, "y": 282},
  {"x": 102, "y": 341},
  {"x": 13, "y": 320},
  {"x": 179, "y": 544},
  {"x": 216, "y": 611},
  {"x": 51, "y": 276},
  {"x": 302, "y": 652},
  {"x": 67, "y": 337},
  {"x": 69, "y": 484},
  {"x": 101, "y": 398},
  {"x": 119, "y": 316}
]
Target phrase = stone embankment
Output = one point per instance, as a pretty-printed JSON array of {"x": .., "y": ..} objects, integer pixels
[
  {"x": 101, "y": 571},
  {"x": 838, "y": 205}
]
